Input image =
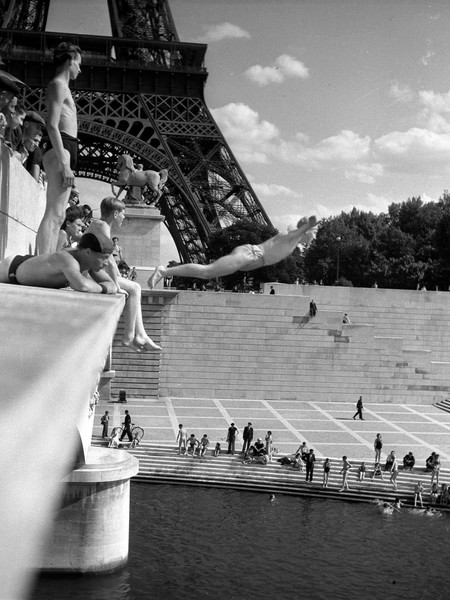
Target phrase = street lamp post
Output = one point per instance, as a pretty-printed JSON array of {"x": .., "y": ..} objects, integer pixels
[{"x": 338, "y": 239}]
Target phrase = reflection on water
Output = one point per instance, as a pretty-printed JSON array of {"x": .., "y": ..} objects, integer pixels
[{"x": 206, "y": 543}]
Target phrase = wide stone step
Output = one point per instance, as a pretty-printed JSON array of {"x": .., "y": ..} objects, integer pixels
[{"x": 162, "y": 464}]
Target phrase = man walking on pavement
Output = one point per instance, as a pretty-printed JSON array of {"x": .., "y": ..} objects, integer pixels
[{"x": 359, "y": 409}]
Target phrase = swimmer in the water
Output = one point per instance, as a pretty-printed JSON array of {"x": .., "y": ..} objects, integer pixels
[
  {"x": 432, "y": 512},
  {"x": 272, "y": 497}
]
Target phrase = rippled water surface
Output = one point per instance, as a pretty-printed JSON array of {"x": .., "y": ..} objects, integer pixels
[{"x": 205, "y": 543}]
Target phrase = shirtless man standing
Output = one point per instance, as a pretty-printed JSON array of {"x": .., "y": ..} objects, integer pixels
[{"x": 60, "y": 158}]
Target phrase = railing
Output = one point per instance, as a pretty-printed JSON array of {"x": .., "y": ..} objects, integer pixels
[{"x": 105, "y": 51}]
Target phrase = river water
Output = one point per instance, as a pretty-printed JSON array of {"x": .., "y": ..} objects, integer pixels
[{"x": 189, "y": 542}]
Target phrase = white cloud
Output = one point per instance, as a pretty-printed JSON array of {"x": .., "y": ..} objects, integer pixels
[
  {"x": 400, "y": 92},
  {"x": 284, "y": 67},
  {"x": 223, "y": 31},
  {"x": 365, "y": 173},
  {"x": 254, "y": 140},
  {"x": 435, "y": 111},
  {"x": 415, "y": 148},
  {"x": 346, "y": 147},
  {"x": 371, "y": 203},
  {"x": 377, "y": 204},
  {"x": 250, "y": 137},
  {"x": 273, "y": 189},
  {"x": 423, "y": 148}
]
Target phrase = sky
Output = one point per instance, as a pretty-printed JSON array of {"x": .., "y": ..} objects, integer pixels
[{"x": 328, "y": 104}]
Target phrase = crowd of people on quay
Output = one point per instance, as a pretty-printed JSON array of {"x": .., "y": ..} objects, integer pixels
[{"x": 261, "y": 449}]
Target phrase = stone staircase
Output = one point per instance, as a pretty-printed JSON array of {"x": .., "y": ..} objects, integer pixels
[
  {"x": 267, "y": 347},
  {"x": 138, "y": 373},
  {"x": 162, "y": 464},
  {"x": 444, "y": 405}
]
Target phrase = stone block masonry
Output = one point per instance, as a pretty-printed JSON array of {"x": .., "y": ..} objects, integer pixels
[{"x": 224, "y": 345}]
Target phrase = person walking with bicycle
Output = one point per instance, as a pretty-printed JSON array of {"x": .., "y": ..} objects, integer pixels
[{"x": 127, "y": 427}]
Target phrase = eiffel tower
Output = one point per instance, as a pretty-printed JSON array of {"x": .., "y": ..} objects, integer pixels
[{"x": 141, "y": 92}]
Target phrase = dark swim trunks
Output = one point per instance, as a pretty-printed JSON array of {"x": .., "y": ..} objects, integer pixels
[
  {"x": 15, "y": 264},
  {"x": 70, "y": 143}
]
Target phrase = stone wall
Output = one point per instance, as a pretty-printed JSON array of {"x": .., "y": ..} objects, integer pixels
[
  {"x": 22, "y": 205},
  {"x": 228, "y": 345}
]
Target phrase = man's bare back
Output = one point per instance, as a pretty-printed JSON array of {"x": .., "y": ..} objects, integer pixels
[
  {"x": 66, "y": 267},
  {"x": 46, "y": 270}
]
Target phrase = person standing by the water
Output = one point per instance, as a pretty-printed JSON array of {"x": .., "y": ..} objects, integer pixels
[
  {"x": 182, "y": 439},
  {"x": 394, "y": 472},
  {"x": 346, "y": 466},
  {"x": 377, "y": 445},
  {"x": 269, "y": 445},
  {"x": 310, "y": 460},
  {"x": 326, "y": 472},
  {"x": 247, "y": 436},
  {"x": 231, "y": 438},
  {"x": 418, "y": 491}
]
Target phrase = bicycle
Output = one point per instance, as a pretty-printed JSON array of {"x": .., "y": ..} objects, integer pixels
[{"x": 137, "y": 433}]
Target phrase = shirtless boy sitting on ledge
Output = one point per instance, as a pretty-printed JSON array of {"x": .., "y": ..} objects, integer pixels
[{"x": 70, "y": 268}]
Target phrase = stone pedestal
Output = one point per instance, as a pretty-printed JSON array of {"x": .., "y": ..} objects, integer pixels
[
  {"x": 140, "y": 236},
  {"x": 91, "y": 530}
]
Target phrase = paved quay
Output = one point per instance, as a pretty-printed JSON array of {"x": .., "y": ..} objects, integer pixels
[{"x": 328, "y": 427}]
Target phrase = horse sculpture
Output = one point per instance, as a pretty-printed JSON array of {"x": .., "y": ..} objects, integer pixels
[{"x": 129, "y": 176}]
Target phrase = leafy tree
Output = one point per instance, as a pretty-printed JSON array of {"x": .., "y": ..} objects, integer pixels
[{"x": 401, "y": 249}]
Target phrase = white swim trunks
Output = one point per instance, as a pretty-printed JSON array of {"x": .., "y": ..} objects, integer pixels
[{"x": 254, "y": 252}]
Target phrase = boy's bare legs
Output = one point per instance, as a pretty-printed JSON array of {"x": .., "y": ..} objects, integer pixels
[
  {"x": 57, "y": 200},
  {"x": 135, "y": 336},
  {"x": 273, "y": 251}
]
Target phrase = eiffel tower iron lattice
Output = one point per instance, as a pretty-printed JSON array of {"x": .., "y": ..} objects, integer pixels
[{"x": 141, "y": 92}]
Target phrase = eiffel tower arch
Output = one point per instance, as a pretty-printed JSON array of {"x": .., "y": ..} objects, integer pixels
[{"x": 141, "y": 92}]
